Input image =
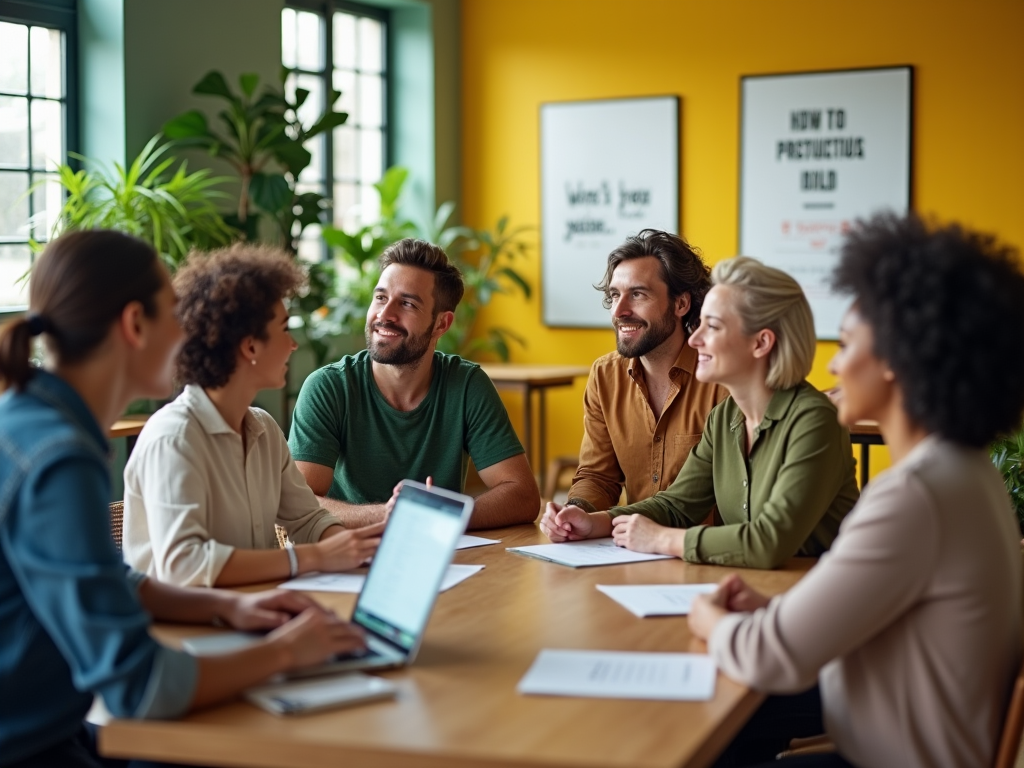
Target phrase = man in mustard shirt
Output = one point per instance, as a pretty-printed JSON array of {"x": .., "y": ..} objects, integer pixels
[{"x": 644, "y": 409}]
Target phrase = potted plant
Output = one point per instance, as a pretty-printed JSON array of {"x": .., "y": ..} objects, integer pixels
[{"x": 1008, "y": 456}]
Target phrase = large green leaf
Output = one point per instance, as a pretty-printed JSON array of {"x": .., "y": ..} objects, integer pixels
[
  {"x": 214, "y": 84},
  {"x": 188, "y": 125},
  {"x": 390, "y": 187},
  {"x": 270, "y": 191},
  {"x": 329, "y": 121},
  {"x": 249, "y": 82},
  {"x": 292, "y": 156}
]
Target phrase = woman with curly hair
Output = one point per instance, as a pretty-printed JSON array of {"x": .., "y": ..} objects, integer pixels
[
  {"x": 210, "y": 475},
  {"x": 911, "y": 624},
  {"x": 772, "y": 456}
]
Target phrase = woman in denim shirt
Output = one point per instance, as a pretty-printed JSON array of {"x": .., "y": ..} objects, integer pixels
[{"x": 73, "y": 620}]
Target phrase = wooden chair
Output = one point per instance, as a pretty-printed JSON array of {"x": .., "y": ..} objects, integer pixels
[
  {"x": 282, "y": 536},
  {"x": 556, "y": 467},
  {"x": 1006, "y": 753},
  {"x": 117, "y": 522}
]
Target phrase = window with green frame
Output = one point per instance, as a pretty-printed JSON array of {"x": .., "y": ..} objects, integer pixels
[
  {"x": 37, "y": 127},
  {"x": 335, "y": 46}
]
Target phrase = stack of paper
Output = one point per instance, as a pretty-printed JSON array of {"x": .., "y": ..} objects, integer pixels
[
  {"x": 468, "y": 542},
  {"x": 581, "y": 554},
  {"x": 621, "y": 675},
  {"x": 353, "y": 582},
  {"x": 656, "y": 599}
]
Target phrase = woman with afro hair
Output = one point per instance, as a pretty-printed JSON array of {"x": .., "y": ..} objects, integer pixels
[{"x": 910, "y": 625}]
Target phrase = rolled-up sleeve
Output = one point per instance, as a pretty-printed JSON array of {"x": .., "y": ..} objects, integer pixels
[
  {"x": 76, "y": 585},
  {"x": 170, "y": 483}
]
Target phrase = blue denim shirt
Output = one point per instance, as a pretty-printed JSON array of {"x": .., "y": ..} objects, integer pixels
[{"x": 71, "y": 624}]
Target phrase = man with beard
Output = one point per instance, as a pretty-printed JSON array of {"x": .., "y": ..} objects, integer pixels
[
  {"x": 400, "y": 409},
  {"x": 644, "y": 409}
]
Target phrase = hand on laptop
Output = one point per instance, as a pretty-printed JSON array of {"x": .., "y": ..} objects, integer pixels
[
  {"x": 315, "y": 636},
  {"x": 347, "y": 549}
]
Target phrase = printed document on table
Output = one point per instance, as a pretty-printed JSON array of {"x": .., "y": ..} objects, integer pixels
[
  {"x": 656, "y": 599},
  {"x": 581, "y": 554},
  {"x": 621, "y": 675},
  {"x": 468, "y": 542},
  {"x": 353, "y": 582}
]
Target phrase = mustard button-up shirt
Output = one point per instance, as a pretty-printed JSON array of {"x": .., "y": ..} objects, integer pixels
[{"x": 624, "y": 445}]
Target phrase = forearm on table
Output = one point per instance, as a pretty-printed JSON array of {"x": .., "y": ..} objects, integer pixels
[
  {"x": 251, "y": 566},
  {"x": 353, "y": 515},
  {"x": 186, "y": 605},
  {"x": 506, "y": 503},
  {"x": 222, "y": 677},
  {"x": 598, "y": 492}
]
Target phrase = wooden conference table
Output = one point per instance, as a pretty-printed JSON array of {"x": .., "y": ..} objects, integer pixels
[
  {"x": 457, "y": 705},
  {"x": 528, "y": 379},
  {"x": 129, "y": 428}
]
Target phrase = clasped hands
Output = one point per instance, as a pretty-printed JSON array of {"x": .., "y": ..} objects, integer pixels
[{"x": 636, "y": 532}]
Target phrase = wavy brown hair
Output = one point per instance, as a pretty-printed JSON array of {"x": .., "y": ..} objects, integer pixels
[{"x": 224, "y": 297}]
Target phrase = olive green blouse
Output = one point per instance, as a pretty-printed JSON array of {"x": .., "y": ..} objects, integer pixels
[{"x": 786, "y": 498}]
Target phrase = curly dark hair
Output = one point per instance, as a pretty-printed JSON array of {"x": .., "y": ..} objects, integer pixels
[
  {"x": 946, "y": 306},
  {"x": 223, "y": 297},
  {"x": 682, "y": 269}
]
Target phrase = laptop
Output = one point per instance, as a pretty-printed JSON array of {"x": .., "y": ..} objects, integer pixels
[{"x": 401, "y": 586}]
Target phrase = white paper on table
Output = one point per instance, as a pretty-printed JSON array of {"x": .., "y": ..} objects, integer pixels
[
  {"x": 581, "y": 554},
  {"x": 621, "y": 675},
  {"x": 656, "y": 599},
  {"x": 353, "y": 582},
  {"x": 468, "y": 542}
]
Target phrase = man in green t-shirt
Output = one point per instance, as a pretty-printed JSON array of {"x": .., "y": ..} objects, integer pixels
[{"x": 400, "y": 409}]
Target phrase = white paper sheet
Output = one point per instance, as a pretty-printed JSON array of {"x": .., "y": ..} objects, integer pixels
[
  {"x": 656, "y": 599},
  {"x": 621, "y": 675},
  {"x": 468, "y": 542},
  {"x": 353, "y": 582},
  {"x": 581, "y": 554}
]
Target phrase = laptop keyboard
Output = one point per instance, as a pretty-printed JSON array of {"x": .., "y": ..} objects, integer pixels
[{"x": 362, "y": 653}]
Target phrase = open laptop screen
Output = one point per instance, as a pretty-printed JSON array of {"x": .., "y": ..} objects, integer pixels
[{"x": 406, "y": 573}]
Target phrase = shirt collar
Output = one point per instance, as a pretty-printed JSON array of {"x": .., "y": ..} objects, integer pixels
[
  {"x": 777, "y": 408},
  {"x": 686, "y": 360},
  {"x": 209, "y": 417},
  {"x": 56, "y": 392}
]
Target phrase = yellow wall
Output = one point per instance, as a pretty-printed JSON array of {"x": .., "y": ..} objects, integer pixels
[{"x": 516, "y": 54}]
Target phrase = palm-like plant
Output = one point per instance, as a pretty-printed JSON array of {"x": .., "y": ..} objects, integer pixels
[
  {"x": 173, "y": 211},
  {"x": 1008, "y": 456}
]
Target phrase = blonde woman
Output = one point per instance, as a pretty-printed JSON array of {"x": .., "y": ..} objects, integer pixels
[{"x": 772, "y": 457}]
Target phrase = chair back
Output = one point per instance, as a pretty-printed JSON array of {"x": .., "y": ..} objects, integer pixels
[
  {"x": 1009, "y": 742},
  {"x": 282, "y": 536},
  {"x": 117, "y": 521}
]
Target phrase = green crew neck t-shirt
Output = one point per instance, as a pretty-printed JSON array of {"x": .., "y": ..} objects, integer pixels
[{"x": 342, "y": 420}]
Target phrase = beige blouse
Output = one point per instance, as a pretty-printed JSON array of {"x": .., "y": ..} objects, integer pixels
[
  {"x": 911, "y": 623},
  {"x": 192, "y": 497}
]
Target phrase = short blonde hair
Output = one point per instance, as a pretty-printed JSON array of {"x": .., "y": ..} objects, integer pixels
[{"x": 772, "y": 299}]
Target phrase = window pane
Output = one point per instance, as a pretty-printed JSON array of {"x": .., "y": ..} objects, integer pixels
[
  {"x": 345, "y": 153},
  {"x": 344, "y": 199},
  {"x": 13, "y": 57},
  {"x": 371, "y": 156},
  {"x": 288, "y": 35},
  {"x": 346, "y": 83},
  {"x": 369, "y": 203},
  {"x": 313, "y": 107},
  {"x": 15, "y": 261},
  {"x": 371, "y": 100},
  {"x": 344, "y": 40},
  {"x": 46, "y": 62},
  {"x": 13, "y": 204},
  {"x": 47, "y": 199},
  {"x": 371, "y": 45},
  {"x": 309, "y": 51},
  {"x": 313, "y": 173},
  {"x": 14, "y": 131},
  {"x": 310, "y": 246},
  {"x": 47, "y": 134}
]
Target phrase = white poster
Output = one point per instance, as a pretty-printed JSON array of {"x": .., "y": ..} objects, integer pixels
[
  {"x": 819, "y": 151},
  {"x": 608, "y": 169}
]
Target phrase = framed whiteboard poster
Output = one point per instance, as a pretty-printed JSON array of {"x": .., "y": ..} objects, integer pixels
[
  {"x": 818, "y": 151},
  {"x": 609, "y": 168}
]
